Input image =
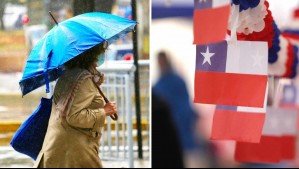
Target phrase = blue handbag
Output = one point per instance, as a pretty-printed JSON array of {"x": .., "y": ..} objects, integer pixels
[{"x": 30, "y": 136}]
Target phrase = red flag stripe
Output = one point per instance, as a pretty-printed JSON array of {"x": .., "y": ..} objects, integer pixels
[
  {"x": 210, "y": 25},
  {"x": 267, "y": 151},
  {"x": 238, "y": 126},
  {"x": 230, "y": 89},
  {"x": 288, "y": 150}
]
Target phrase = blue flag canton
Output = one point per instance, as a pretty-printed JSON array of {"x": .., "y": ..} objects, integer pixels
[
  {"x": 212, "y": 57},
  {"x": 203, "y": 4},
  {"x": 224, "y": 107}
]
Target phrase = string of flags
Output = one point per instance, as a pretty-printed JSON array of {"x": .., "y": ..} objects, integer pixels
[{"x": 238, "y": 47}]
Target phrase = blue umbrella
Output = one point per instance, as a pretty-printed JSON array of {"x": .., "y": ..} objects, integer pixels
[{"x": 67, "y": 40}]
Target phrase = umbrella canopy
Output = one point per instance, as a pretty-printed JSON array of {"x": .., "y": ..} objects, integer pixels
[{"x": 67, "y": 40}]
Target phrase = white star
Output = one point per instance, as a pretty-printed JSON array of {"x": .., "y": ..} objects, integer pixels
[
  {"x": 207, "y": 56},
  {"x": 200, "y": 1},
  {"x": 257, "y": 59}
]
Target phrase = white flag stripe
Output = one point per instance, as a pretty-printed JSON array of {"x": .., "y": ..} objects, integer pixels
[
  {"x": 244, "y": 57},
  {"x": 280, "y": 122},
  {"x": 233, "y": 58},
  {"x": 272, "y": 124},
  {"x": 220, "y": 3},
  {"x": 255, "y": 110},
  {"x": 289, "y": 122},
  {"x": 251, "y": 110}
]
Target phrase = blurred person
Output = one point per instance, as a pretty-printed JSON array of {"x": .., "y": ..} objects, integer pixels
[
  {"x": 166, "y": 147},
  {"x": 172, "y": 88},
  {"x": 74, "y": 130}
]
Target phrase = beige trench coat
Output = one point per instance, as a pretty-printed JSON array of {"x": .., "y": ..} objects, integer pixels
[{"x": 73, "y": 141}]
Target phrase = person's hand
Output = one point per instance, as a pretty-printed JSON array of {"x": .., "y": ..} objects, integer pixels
[{"x": 110, "y": 109}]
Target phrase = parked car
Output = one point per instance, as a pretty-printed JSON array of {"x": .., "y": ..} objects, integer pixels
[
  {"x": 13, "y": 14},
  {"x": 120, "y": 51}
]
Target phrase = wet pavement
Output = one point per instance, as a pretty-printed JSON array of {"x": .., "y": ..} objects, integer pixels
[
  {"x": 14, "y": 107},
  {"x": 12, "y": 159},
  {"x": 10, "y": 83}
]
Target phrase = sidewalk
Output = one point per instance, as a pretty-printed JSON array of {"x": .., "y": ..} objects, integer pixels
[
  {"x": 10, "y": 83},
  {"x": 12, "y": 159},
  {"x": 14, "y": 107}
]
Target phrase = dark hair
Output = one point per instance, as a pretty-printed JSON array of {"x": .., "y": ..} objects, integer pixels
[
  {"x": 163, "y": 59},
  {"x": 87, "y": 58},
  {"x": 162, "y": 54}
]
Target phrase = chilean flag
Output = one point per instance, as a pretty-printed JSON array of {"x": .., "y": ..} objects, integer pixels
[
  {"x": 289, "y": 123},
  {"x": 241, "y": 124},
  {"x": 231, "y": 73},
  {"x": 210, "y": 20},
  {"x": 277, "y": 142},
  {"x": 290, "y": 100}
]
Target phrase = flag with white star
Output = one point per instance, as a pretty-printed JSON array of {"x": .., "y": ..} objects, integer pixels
[
  {"x": 233, "y": 74},
  {"x": 210, "y": 20}
]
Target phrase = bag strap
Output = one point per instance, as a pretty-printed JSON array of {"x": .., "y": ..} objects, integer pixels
[{"x": 114, "y": 116}]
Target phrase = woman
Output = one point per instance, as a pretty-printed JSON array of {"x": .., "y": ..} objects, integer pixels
[{"x": 74, "y": 130}]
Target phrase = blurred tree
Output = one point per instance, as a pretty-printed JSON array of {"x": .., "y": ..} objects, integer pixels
[
  {"x": 104, "y": 5},
  {"x": 92, "y": 5},
  {"x": 2, "y": 8},
  {"x": 35, "y": 11},
  {"x": 83, "y": 6}
]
